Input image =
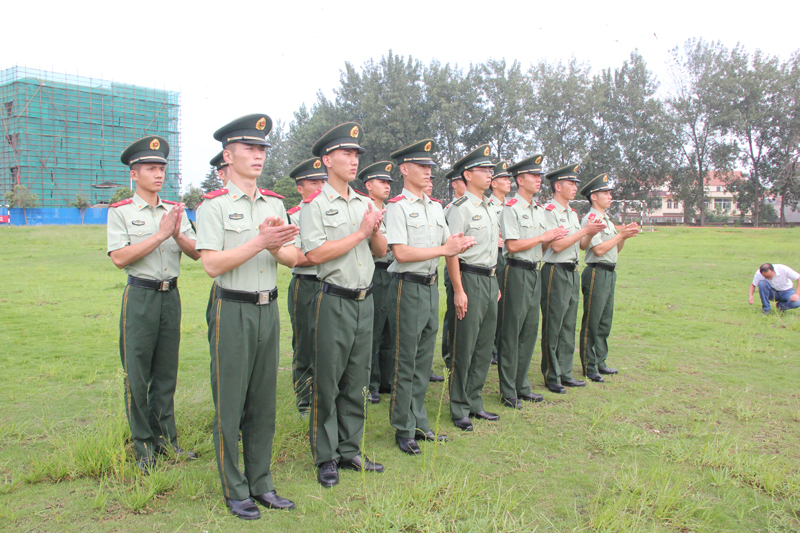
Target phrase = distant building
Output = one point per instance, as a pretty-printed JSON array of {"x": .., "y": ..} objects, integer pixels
[
  {"x": 718, "y": 200},
  {"x": 62, "y": 135}
]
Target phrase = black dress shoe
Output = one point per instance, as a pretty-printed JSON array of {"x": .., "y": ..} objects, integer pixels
[
  {"x": 373, "y": 397},
  {"x": 358, "y": 465},
  {"x": 494, "y": 359},
  {"x": 430, "y": 436},
  {"x": 408, "y": 446},
  {"x": 463, "y": 424},
  {"x": 435, "y": 378},
  {"x": 597, "y": 378},
  {"x": 328, "y": 474},
  {"x": 244, "y": 509},
  {"x": 531, "y": 397},
  {"x": 485, "y": 415},
  {"x": 573, "y": 383},
  {"x": 271, "y": 500},
  {"x": 514, "y": 403},
  {"x": 608, "y": 370},
  {"x": 146, "y": 464},
  {"x": 558, "y": 389}
]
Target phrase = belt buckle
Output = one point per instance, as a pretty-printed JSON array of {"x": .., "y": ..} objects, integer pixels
[
  {"x": 263, "y": 298},
  {"x": 432, "y": 280},
  {"x": 362, "y": 294},
  {"x": 164, "y": 286},
  {"x": 493, "y": 271}
]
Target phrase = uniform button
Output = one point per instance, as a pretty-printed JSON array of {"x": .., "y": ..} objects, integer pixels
[
  {"x": 140, "y": 233},
  {"x": 359, "y": 264},
  {"x": 162, "y": 249},
  {"x": 262, "y": 271},
  {"x": 165, "y": 270}
]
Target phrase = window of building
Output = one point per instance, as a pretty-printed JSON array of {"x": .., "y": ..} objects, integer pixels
[
  {"x": 723, "y": 204},
  {"x": 719, "y": 189},
  {"x": 9, "y": 107}
]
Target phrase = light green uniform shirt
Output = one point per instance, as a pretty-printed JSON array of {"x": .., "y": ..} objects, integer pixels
[
  {"x": 329, "y": 217},
  {"x": 137, "y": 221},
  {"x": 476, "y": 218},
  {"x": 294, "y": 218},
  {"x": 389, "y": 257},
  {"x": 416, "y": 222},
  {"x": 231, "y": 220},
  {"x": 519, "y": 221},
  {"x": 562, "y": 216},
  {"x": 605, "y": 235}
]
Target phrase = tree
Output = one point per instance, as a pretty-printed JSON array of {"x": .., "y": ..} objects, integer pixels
[
  {"x": 287, "y": 188},
  {"x": 123, "y": 193},
  {"x": 81, "y": 204},
  {"x": 506, "y": 94},
  {"x": 276, "y": 164},
  {"x": 212, "y": 181},
  {"x": 192, "y": 197},
  {"x": 20, "y": 196}
]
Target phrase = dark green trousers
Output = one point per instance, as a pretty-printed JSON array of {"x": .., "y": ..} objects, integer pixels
[
  {"x": 149, "y": 341},
  {"x": 300, "y": 303},
  {"x": 449, "y": 319},
  {"x": 473, "y": 338},
  {"x": 342, "y": 333},
  {"x": 244, "y": 377},
  {"x": 414, "y": 326},
  {"x": 212, "y": 295},
  {"x": 560, "y": 293},
  {"x": 501, "y": 272},
  {"x": 598, "y": 312},
  {"x": 519, "y": 312},
  {"x": 381, "y": 366}
]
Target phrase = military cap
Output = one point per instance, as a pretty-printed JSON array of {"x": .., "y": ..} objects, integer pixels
[
  {"x": 249, "y": 129},
  {"x": 478, "y": 158},
  {"x": 567, "y": 173},
  {"x": 377, "y": 171},
  {"x": 501, "y": 170},
  {"x": 531, "y": 165},
  {"x": 218, "y": 162},
  {"x": 310, "y": 169},
  {"x": 419, "y": 153},
  {"x": 347, "y": 135},
  {"x": 596, "y": 184},
  {"x": 453, "y": 174},
  {"x": 152, "y": 149}
]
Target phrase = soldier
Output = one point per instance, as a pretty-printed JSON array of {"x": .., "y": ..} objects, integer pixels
[
  {"x": 435, "y": 378},
  {"x": 309, "y": 177},
  {"x": 221, "y": 166},
  {"x": 459, "y": 189},
  {"x": 418, "y": 235},
  {"x": 599, "y": 278},
  {"x": 146, "y": 236},
  {"x": 475, "y": 291},
  {"x": 242, "y": 235},
  {"x": 341, "y": 234},
  {"x": 561, "y": 281},
  {"x": 377, "y": 179},
  {"x": 501, "y": 186},
  {"x": 523, "y": 225}
]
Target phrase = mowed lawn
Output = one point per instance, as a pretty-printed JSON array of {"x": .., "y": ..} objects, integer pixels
[{"x": 700, "y": 431}]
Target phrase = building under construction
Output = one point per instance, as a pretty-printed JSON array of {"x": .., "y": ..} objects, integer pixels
[{"x": 62, "y": 135}]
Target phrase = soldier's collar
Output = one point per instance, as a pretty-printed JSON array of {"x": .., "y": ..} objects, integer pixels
[
  {"x": 559, "y": 206},
  {"x": 141, "y": 204},
  {"x": 474, "y": 199},
  {"x": 235, "y": 192},
  {"x": 410, "y": 196},
  {"x": 525, "y": 203},
  {"x": 495, "y": 200}
]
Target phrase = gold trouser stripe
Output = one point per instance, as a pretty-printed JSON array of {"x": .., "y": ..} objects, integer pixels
[
  {"x": 219, "y": 401},
  {"x": 128, "y": 393},
  {"x": 586, "y": 323},
  {"x": 396, "y": 352},
  {"x": 315, "y": 386},
  {"x": 546, "y": 350},
  {"x": 453, "y": 344}
]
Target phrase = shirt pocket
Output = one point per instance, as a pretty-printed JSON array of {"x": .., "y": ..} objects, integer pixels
[
  {"x": 336, "y": 227},
  {"x": 440, "y": 227},
  {"x": 480, "y": 230},
  {"x": 417, "y": 233},
  {"x": 237, "y": 232},
  {"x": 137, "y": 235},
  {"x": 526, "y": 228}
]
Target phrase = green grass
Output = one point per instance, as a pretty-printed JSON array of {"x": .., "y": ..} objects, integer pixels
[{"x": 699, "y": 432}]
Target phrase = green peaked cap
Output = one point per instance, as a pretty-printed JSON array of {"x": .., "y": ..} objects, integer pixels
[
  {"x": 218, "y": 162},
  {"x": 310, "y": 169},
  {"x": 377, "y": 171},
  {"x": 596, "y": 184},
  {"x": 531, "y": 165},
  {"x": 152, "y": 149},
  {"x": 347, "y": 135},
  {"x": 249, "y": 129},
  {"x": 501, "y": 170},
  {"x": 419, "y": 152},
  {"x": 478, "y": 158},
  {"x": 453, "y": 174},
  {"x": 567, "y": 173}
]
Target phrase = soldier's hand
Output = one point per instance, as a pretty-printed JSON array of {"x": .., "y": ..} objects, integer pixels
[
  {"x": 460, "y": 301},
  {"x": 500, "y": 242},
  {"x": 371, "y": 222},
  {"x": 273, "y": 233},
  {"x": 554, "y": 234},
  {"x": 593, "y": 227},
  {"x": 166, "y": 228},
  {"x": 457, "y": 244},
  {"x": 630, "y": 230},
  {"x": 499, "y": 294},
  {"x": 180, "y": 209}
]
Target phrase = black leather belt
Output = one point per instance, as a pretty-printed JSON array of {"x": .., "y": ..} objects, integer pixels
[
  {"x": 430, "y": 279},
  {"x": 483, "y": 271},
  {"x": 160, "y": 286},
  {"x": 520, "y": 263},
  {"x": 382, "y": 266},
  {"x": 342, "y": 292},
  {"x": 258, "y": 297},
  {"x": 567, "y": 266},
  {"x": 309, "y": 277},
  {"x": 611, "y": 267}
]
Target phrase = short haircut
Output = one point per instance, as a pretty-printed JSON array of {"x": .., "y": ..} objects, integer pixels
[
  {"x": 766, "y": 267},
  {"x": 553, "y": 186}
]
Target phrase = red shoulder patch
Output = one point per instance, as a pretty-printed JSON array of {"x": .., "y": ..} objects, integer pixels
[
  {"x": 591, "y": 216},
  {"x": 573, "y": 209},
  {"x": 550, "y": 207},
  {"x": 361, "y": 193},
  {"x": 511, "y": 202},
  {"x": 540, "y": 205},
  {"x": 267, "y": 192},
  {"x": 214, "y": 194},
  {"x": 311, "y": 197},
  {"x": 122, "y": 202},
  {"x": 435, "y": 200},
  {"x": 169, "y": 202},
  {"x": 293, "y": 210},
  {"x": 397, "y": 199}
]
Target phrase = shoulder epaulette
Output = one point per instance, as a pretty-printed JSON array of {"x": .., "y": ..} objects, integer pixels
[
  {"x": 540, "y": 205},
  {"x": 267, "y": 192},
  {"x": 435, "y": 200},
  {"x": 361, "y": 193},
  {"x": 550, "y": 207},
  {"x": 122, "y": 202},
  {"x": 311, "y": 197},
  {"x": 591, "y": 216},
  {"x": 573, "y": 209},
  {"x": 461, "y": 200},
  {"x": 169, "y": 202},
  {"x": 214, "y": 194},
  {"x": 511, "y": 202},
  {"x": 397, "y": 199},
  {"x": 293, "y": 210}
]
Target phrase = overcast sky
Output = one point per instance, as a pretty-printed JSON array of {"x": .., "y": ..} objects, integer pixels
[{"x": 230, "y": 59}]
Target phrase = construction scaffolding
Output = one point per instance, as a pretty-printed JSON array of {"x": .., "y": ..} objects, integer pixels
[{"x": 62, "y": 135}]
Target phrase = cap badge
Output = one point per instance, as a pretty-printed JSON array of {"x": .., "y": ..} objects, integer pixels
[
  {"x": 428, "y": 147},
  {"x": 261, "y": 124},
  {"x": 388, "y": 167},
  {"x": 486, "y": 151},
  {"x": 538, "y": 160},
  {"x": 576, "y": 168},
  {"x": 505, "y": 166},
  {"x": 154, "y": 144},
  {"x": 605, "y": 178},
  {"x": 354, "y": 132},
  {"x": 317, "y": 163}
]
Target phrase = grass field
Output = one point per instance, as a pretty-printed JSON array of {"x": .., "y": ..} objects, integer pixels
[{"x": 700, "y": 431}]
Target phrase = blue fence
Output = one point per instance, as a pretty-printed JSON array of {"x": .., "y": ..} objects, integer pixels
[{"x": 62, "y": 216}]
